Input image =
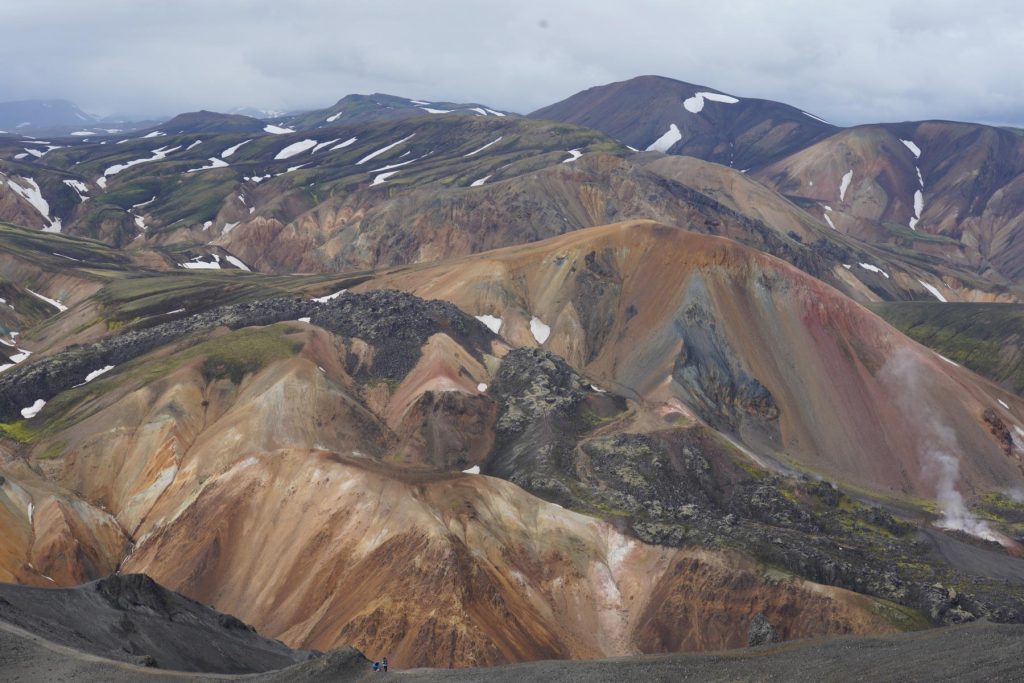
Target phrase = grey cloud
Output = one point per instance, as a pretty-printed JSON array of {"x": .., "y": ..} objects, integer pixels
[{"x": 847, "y": 62}]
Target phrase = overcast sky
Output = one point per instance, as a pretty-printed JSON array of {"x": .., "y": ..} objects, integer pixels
[{"x": 849, "y": 62}]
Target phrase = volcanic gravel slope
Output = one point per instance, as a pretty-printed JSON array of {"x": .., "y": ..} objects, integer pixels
[
  {"x": 133, "y": 619},
  {"x": 975, "y": 652}
]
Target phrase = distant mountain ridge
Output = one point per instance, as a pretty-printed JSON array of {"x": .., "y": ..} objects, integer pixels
[
  {"x": 36, "y": 114},
  {"x": 675, "y": 117},
  {"x": 379, "y": 107}
]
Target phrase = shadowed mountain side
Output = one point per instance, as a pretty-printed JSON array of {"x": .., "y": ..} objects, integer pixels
[
  {"x": 132, "y": 618},
  {"x": 747, "y": 343}
]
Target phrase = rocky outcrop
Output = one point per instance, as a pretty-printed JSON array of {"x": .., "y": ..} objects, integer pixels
[
  {"x": 397, "y": 324},
  {"x": 761, "y": 632}
]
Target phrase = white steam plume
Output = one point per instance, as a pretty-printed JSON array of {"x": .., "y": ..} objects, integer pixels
[{"x": 938, "y": 441}]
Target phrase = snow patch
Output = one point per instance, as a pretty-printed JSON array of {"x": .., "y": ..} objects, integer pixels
[
  {"x": 33, "y": 410},
  {"x": 154, "y": 134},
  {"x": 540, "y": 331},
  {"x": 481, "y": 387},
  {"x": 829, "y": 221},
  {"x": 194, "y": 144},
  {"x": 918, "y": 208},
  {"x": 914, "y": 149},
  {"x": 214, "y": 163},
  {"x": 576, "y": 154},
  {"x": 237, "y": 263},
  {"x": 234, "y": 148},
  {"x": 344, "y": 144},
  {"x": 1003, "y": 403},
  {"x": 333, "y": 117},
  {"x": 96, "y": 373},
  {"x": 845, "y": 184},
  {"x": 382, "y": 177},
  {"x": 669, "y": 138},
  {"x": 436, "y": 111},
  {"x": 816, "y": 118},
  {"x": 329, "y": 297},
  {"x": 475, "y": 469},
  {"x": 53, "y": 302},
  {"x": 934, "y": 291},
  {"x": 276, "y": 130},
  {"x": 493, "y": 323},
  {"x": 158, "y": 154},
  {"x": 34, "y": 196},
  {"x": 480, "y": 181},
  {"x": 382, "y": 150},
  {"x": 324, "y": 144},
  {"x": 295, "y": 148},
  {"x": 199, "y": 264},
  {"x": 874, "y": 269},
  {"x": 477, "y": 151},
  {"x": 696, "y": 103}
]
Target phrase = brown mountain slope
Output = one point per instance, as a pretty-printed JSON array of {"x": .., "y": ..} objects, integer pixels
[
  {"x": 950, "y": 189},
  {"x": 750, "y": 345},
  {"x": 286, "y": 442},
  {"x": 418, "y": 189}
]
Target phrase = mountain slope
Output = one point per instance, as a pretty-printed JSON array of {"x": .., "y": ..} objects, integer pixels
[
  {"x": 414, "y": 373},
  {"x": 652, "y": 112},
  {"x": 131, "y": 618},
  {"x": 35, "y": 115},
  {"x": 342, "y": 435},
  {"x": 742, "y": 341},
  {"x": 210, "y": 122},
  {"x": 974, "y": 652},
  {"x": 951, "y": 189},
  {"x": 388, "y": 192},
  {"x": 987, "y": 338},
  {"x": 379, "y": 107}
]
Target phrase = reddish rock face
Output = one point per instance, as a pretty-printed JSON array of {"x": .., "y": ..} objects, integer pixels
[{"x": 803, "y": 373}]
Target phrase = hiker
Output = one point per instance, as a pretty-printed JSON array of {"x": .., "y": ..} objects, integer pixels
[
  {"x": 376, "y": 666},
  {"x": 384, "y": 665}
]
